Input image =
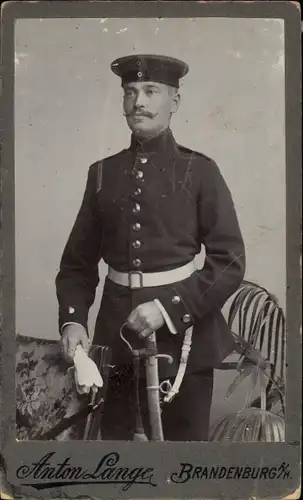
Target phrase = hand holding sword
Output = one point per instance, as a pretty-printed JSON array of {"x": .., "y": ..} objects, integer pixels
[{"x": 146, "y": 319}]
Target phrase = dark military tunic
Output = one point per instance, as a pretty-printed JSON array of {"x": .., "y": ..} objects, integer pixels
[{"x": 150, "y": 208}]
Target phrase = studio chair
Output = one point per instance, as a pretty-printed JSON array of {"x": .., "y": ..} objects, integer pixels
[{"x": 48, "y": 406}]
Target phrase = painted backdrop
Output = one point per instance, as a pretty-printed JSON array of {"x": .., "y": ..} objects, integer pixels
[{"x": 68, "y": 114}]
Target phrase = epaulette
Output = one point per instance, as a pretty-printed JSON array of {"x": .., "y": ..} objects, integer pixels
[
  {"x": 99, "y": 166},
  {"x": 193, "y": 154},
  {"x": 111, "y": 157}
]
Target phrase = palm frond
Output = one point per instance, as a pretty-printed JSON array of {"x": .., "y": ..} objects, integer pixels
[
  {"x": 250, "y": 424},
  {"x": 255, "y": 308},
  {"x": 241, "y": 306},
  {"x": 263, "y": 384},
  {"x": 246, "y": 372},
  {"x": 258, "y": 315},
  {"x": 221, "y": 429},
  {"x": 242, "y": 363},
  {"x": 275, "y": 431},
  {"x": 256, "y": 428},
  {"x": 281, "y": 431},
  {"x": 240, "y": 429},
  {"x": 238, "y": 303},
  {"x": 273, "y": 396},
  {"x": 235, "y": 305},
  {"x": 263, "y": 317},
  {"x": 254, "y": 381},
  {"x": 257, "y": 324},
  {"x": 252, "y": 355}
]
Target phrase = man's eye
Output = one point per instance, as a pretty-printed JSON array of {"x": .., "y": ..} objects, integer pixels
[{"x": 129, "y": 93}]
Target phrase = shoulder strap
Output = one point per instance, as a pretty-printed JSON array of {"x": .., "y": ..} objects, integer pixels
[{"x": 99, "y": 176}]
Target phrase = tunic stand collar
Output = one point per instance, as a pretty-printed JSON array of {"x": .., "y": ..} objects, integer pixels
[{"x": 160, "y": 143}]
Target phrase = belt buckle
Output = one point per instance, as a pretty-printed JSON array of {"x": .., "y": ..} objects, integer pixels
[{"x": 131, "y": 282}]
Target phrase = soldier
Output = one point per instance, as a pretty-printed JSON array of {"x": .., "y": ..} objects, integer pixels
[{"x": 146, "y": 212}]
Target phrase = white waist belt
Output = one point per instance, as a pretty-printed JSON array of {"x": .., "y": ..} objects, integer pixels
[{"x": 137, "y": 279}]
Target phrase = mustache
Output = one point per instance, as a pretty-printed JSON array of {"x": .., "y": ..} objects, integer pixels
[{"x": 148, "y": 114}]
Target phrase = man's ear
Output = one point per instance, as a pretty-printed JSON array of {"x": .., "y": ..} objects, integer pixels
[{"x": 176, "y": 102}]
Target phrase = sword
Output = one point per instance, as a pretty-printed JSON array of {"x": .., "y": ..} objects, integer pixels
[{"x": 151, "y": 356}]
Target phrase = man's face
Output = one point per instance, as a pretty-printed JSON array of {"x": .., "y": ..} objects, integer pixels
[{"x": 148, "y": 107}]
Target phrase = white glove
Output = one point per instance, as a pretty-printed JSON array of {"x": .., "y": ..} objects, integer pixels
[{"x": 87, "y": 375}]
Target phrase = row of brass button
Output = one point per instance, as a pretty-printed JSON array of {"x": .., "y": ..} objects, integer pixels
[{"x": 136, "y": 209}]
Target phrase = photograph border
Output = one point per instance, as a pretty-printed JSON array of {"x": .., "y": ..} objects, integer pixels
[{"x": 163, "y": 459}]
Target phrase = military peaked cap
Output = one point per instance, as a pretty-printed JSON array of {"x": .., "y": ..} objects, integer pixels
[{"x": 150, "y": 68}]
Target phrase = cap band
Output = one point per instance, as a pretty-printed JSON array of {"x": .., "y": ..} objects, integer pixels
[
  {"x": 150, "y": 68},
  {"x": 150, "y": 76}
]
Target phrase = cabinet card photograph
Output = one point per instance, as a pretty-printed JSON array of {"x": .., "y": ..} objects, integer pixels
[{"x": 151, "y": 302}]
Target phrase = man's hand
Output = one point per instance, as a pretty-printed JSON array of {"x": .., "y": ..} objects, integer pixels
[
  {"x": 72, "y": 336},
  {"x": 145, "y": 319}
]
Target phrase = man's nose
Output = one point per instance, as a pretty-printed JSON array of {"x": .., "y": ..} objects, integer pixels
[{"x": 140, "y": 100}]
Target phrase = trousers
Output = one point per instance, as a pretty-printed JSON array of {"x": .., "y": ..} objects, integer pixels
[{"x": 185, "y": 418}]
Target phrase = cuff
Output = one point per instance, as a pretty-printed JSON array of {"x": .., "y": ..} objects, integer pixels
[
  {"x": 166, "y": 317},
  {"x": 176, "y": 309},
  {"x": 73, "y": 315},
  {"x": 68, "y": 323}
]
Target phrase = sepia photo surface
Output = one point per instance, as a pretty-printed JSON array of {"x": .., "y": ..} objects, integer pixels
[
  {"x": 69, "y": 114},
  {"x": 150, "y": 197}
]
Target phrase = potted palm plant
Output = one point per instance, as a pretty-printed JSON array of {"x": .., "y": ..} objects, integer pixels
[{"x": 260, "y": 340}]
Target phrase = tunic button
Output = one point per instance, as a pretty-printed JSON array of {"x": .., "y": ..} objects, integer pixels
[
  {"x": 137, "y": 262},
  {"x": 139, "y": 174},
  {"x": 186, "y": 318},
  {"x": 137, "y": 191},
  {"x": 176, "y": 299},
  {"x": 137, "y": 226},
  {"x": 136, "y": 208},
  {"x": 143, "y": 160},
  {"x": 136, "y": 244}
]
